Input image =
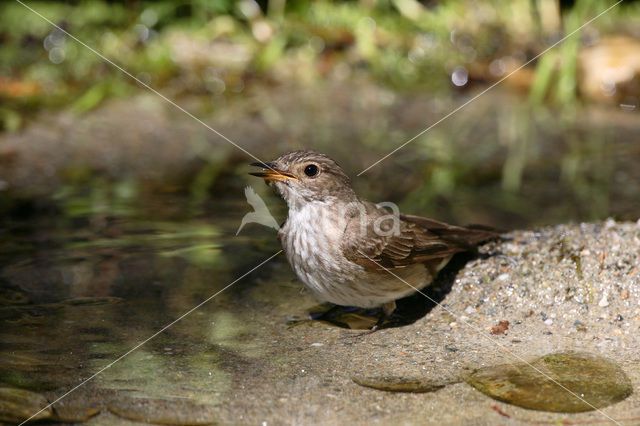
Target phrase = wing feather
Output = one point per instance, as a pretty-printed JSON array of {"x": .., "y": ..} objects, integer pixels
[{"x": 419, "y": 240}]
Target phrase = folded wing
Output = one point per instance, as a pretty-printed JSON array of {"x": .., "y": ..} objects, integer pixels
[{"x": 416, "y": 240}]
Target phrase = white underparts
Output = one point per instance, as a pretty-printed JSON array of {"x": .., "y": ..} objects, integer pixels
[{"x": 312, "y": 238}]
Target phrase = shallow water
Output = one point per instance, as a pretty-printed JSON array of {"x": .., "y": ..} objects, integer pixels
[
  {"x": 79, "y": 290},
  {"x": 87, "y": 285}
]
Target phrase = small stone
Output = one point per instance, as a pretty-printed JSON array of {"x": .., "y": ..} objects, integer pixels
[
  {"x": 580, "y": 326},
  {"x": 604, "y": 302},
  {"x": 402, "y": 384},
  {"x": 624, "y": 294},
  {"x": 69, "y": 411},
  {"x": 548, "y": 321},
  {"x": 619, "y": 317},
  {"x": 18, "y": 405},
  {"x": 163, "y": 411}
]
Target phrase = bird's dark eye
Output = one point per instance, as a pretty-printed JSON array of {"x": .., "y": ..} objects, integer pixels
[{"x": 311, "y": 170}]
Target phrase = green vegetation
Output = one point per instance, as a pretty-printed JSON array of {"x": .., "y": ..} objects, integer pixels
[{"x": 221, "y": 47}]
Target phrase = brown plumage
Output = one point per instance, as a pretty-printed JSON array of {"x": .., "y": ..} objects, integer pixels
[
  {"x": 343, "y": 247},
  {"x": 420, "y": 240}
]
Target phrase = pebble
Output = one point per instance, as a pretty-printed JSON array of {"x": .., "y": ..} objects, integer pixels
[
  {"x": 402, "y": 384},
  {"x": 17, "y": 405},
  {"x": 604, "y": 302}
]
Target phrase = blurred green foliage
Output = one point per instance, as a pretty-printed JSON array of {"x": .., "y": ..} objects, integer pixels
[{"x": 402, "y": 43}]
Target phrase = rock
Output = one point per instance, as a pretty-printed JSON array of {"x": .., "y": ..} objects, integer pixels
[
  {"x": 71, "y": 411},
  {"x": 17, "y": 405},
  {"x": 581, "y": 382},
  {"x": 163, "y": 411},
  {"x": 401, "y": 384}
]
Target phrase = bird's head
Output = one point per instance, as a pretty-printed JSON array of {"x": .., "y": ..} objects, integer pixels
[{"x": 305, "y": 176}]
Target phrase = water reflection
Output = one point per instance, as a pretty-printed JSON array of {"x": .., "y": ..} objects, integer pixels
[{"x": 83, "y": 288}]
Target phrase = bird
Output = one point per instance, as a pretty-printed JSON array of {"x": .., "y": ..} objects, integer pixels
[
  {"x": 352, "y": 252},
  {"x": 260, "y": 214}
]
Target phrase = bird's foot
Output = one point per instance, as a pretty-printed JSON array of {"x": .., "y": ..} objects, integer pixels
[
  {"x": 384, "y": 317},
  {"x": 294, "y": 322},
  {"x": 327, "y": 315}
]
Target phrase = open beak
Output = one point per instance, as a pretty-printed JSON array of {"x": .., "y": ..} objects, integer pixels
[{"x": 270, "y": 173}]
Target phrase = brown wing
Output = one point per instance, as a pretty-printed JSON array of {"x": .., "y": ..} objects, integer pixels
[
  {"x": 419, "y": 240},
  {"x": 464, "y": 236}
]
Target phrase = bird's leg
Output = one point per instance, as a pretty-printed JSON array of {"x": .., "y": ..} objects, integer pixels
[
  {"x": 326, "y": 316},
  {"x": 389, "y": 307},
  {"x": 320, "y": 316},
  {"x": 387, "y": 310}
]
